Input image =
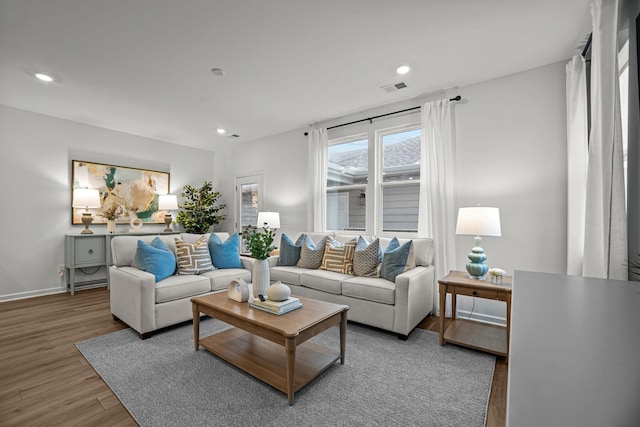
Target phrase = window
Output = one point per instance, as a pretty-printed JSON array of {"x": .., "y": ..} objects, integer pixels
[
  {"x": 347, "y": 178},
  {"x": 400, "y": 181},
  {"x": 385, "y": 200},
  {"x": 623, "y": 73}
]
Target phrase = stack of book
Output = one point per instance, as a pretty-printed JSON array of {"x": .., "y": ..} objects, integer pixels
[{"x": 277, "y": 307}]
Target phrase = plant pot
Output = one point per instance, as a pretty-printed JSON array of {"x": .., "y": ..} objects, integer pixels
[
  {"x": 260, "y": 277},
  {"x": 111, "y": 226}
]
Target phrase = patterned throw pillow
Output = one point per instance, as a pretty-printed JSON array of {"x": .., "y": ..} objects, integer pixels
[
  {"x": 289, "y": 251},
  {"x": 366, "y": 257},
  {"x": 157, "y": 261},
  {"x": 225, "y": 254},
  {"x": 193, "y": 258},
  {"x": 397, "y": 259},
  {"x": 338, "y": 257},
  {"x": 311, "y": 254}
]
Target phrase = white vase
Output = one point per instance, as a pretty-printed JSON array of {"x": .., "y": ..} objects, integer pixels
[
  {"x": 111, "y": 226},
  {"x": 278, "y": 292},
  {"x": 260, "y": 278}
]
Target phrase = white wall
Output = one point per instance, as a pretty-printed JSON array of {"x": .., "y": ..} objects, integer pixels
[
  {"x": 511, "y": 153},
  {"x": 35, "y": 171}
]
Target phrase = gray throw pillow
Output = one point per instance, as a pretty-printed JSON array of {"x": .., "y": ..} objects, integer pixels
[
  {"x": 311, "y": 254},
  {"x": 289, "y": 251},
  {"x": 366, "y": 257}
]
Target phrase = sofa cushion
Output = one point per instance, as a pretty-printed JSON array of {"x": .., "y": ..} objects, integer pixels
[
  {"x": 193, "y": 258},
  {"x": 311, "y": 254},
  {"x": 371, "y": 289},
  {"x": 225, "y": 254},
  {"x": 221, "y": 277},
  {"x": 286, "y": 274},
  {"x": 159, "y": 261},
  {"x": 338, "y": 257},
  {"x": 290, "y": 251},
  {"x": 323, "y": 280},
  {"x": 178, "y": 287},
  {"x": 366, "y": 257},
  {"x": 397, "y": 259},
  {"x": 123, "y": 248}
]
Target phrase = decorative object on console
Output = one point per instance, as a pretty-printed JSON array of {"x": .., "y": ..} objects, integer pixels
[
  {"x": 86, "y": 198},
  {"x": 136, "y": 225},
  {"x": 111, "y": 211},
  {"x": 199, "y": 211},
  {"x": 478, "y": 221},
  {"x": 167, "y": 203},
  {"x": 238, "y": 290},
  {"x": 278, "y": 292},
  {"x": 134, "y": 191}
]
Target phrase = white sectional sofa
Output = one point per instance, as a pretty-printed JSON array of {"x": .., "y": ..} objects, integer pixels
[
  {"x": 146, "y": 305},
  {"x": 394, "y": 306}
]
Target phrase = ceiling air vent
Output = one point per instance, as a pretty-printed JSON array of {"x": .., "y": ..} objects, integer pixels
[
  {"x": 235, "y": 135},
  {"x": 394, "y": 87}
]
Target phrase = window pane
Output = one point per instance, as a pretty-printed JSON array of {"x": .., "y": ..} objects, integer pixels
[
  {"x": 348, "y": 163},
  {"x": 248, "y": 205},
  {"x": 346, "y": 210},
  {"x": 400, "y": 208},
  {"x": 401, "y": 156}
]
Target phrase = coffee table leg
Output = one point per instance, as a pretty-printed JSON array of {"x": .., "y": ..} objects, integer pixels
[
  {"x": 196, "y": 325},
  {"x": 290, "y": 347},
  {"x": 343, "y": 335}
]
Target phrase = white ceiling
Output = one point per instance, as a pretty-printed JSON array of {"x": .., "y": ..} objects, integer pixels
[{"x": 143, "y": 66}]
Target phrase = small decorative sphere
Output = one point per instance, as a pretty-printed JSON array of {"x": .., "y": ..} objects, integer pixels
[{"x": 278, "y": 292}]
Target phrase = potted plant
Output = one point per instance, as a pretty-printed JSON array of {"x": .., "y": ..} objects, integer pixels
[
  {"x": 259, "y": 242},
  {"x": 199, "y": 211}
]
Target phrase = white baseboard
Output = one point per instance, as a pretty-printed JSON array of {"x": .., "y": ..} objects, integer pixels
[
  {"x": 32, "y": 294},
  {"x": 481, "y": 317}
]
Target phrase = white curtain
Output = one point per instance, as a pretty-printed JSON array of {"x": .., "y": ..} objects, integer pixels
[
  {"x": 437, "y": 215},
  {"x": 605, "y": 250},
  {"x": 318, "y": 145},
  {"x": 577, "y": 146}
]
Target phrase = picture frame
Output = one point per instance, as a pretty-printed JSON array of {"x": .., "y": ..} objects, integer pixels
[{"x": 132, "y": 193}]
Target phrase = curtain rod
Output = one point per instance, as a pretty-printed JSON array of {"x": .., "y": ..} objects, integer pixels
[
  {"x": 370, "y": 119},
  {"x": 587, "y": 46}
]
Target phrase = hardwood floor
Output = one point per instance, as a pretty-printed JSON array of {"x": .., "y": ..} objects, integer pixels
[{"x": 44, "y": 380}]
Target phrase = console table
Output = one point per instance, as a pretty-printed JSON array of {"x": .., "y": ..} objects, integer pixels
[
  {"x": 91, "y": 250},
  {"x": 476, "y": 335}
]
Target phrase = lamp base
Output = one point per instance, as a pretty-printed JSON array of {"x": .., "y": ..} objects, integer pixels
[
  {"x": 477, "y": 269},
  {"x": 87, "y": 219},
  {"x": 167, "y": 222}
]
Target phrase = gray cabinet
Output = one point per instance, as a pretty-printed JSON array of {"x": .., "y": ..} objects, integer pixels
[{"x": 90, "y": 250}]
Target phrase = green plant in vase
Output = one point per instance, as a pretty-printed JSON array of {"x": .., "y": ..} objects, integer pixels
[
  {"x": 198, "y": 210},
  {"x": 259, "y": 241}
]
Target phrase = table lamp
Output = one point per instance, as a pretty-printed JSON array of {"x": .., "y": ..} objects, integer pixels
[
  {"x": 268, "y": 219},
  {"x": 167, "y": 202},
  {"x": 477, "y": 221},
  {"x": 86, "y": 198}
]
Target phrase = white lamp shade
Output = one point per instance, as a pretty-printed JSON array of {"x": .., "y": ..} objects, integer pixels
[
  {"x": 270, "y": 219},
  {"x": 479, "y": 221},
  {"x": 167, "y": 202},
  {"x": 86, "y": 198}
]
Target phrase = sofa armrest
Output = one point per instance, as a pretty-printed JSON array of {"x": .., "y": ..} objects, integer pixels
[
  {"x": 133, "y": 297},
  {"x": 247, "y": 262},
  {"x": 414, "y": 297}
]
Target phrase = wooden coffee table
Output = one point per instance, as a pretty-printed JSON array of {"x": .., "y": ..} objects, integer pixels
[{"x": 255, "y": 344}]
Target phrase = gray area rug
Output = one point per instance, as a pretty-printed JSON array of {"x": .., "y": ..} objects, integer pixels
[{"x": 162, "y": 381}]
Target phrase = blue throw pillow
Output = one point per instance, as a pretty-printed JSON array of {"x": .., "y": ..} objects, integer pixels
[
  {"x": 225, "y": 254},
  {"x": 397, "y": 259},
  {"x": 289, "y": 251},
  {"x": 138, "y": 259},
  {"x": 159, "y": 262}
]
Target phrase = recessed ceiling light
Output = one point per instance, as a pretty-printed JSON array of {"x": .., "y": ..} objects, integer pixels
[
  {"x": 221, "y": 131},
  {"x": 217, "y": 72},
  {"x": 403, "y": 69},
  {"x": 44, "y": 77}
]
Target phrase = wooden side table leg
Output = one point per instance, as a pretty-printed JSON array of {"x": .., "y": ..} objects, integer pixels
[
  {"x": 343, "y": 335},
  {"x": 443, "y": 306},
  {"x": 290, "y": 347},
  {"x": 196, "y": 325}
]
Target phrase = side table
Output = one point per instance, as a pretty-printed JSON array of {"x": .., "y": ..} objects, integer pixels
[{"x": 476, "y": 335}]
